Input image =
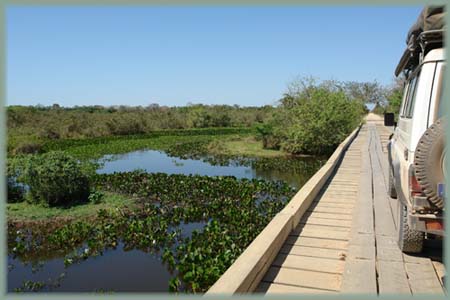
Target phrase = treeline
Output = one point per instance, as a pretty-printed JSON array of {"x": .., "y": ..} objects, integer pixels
[
  {"x": 28, "y": 125},
  {"x": 393, "y": 98},
  {"x": 312, "y": 117}
]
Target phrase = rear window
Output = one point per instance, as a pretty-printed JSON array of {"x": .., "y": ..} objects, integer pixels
[
  {"x": 441, "y": 93},
  {"x": 410, "y": 98}
]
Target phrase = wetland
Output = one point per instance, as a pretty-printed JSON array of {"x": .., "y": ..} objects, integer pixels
[{"x": 168, "y": 213}]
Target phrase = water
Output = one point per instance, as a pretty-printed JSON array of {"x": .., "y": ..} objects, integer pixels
[
  {"x": 156, "y": 161},
  {"x": 115, "y": 270},
  {"x": 134, "y": 270}
]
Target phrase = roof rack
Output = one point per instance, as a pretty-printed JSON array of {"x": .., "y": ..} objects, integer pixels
[{"x": 415, "y": 52}]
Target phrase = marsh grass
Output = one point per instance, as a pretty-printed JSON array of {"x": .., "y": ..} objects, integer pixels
[{"x": 23, "y": 211}]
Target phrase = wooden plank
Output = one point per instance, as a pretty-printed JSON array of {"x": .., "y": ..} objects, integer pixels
[
  {"x": 335, "y": 205},
  {"x": 332, "y": 210},
  {"x": 328, "y": 216},
  {"x": 313, "y": 251},
  {"x": 316, "y": 242},
  {"x": 361, "y": 252},
  {"x": 359, "y": 277},
  {"x": 423, "y": 279},
  {"x": 276, "y": 288},
  {"x": 335, "y": 195},
  {"x": 348, "y": 171},
  {"x": 386, "y": 242},
  {"x": 362, "y": 239},
  {"x": 342, "y": 187},
  {"x": 323, "y": 234},
  {"x": 337, "y": 190},
  {"x": 309, "y": 226},
  {"x": 416, "y": 259},
  {"x": 440, "y": 270},
  {"x": 384, "y": 224},
  {"x": 363, "y": 219},
  {"x": 317, "y": 221},
  {"x": 308, "y": 279},
  {"x": 348, "y": 175},
  {"x": 343, "y": 184},
  {"x": 339, "y": 181},
  {"x": 389, "y": 254},
  {"x": 392, "y": 278},
  {"x": 332, "y": 199},
  {"x": 247, "y": 271},
  {"x": 309, "y": 263},
  {"x": 341, "y": 193}
]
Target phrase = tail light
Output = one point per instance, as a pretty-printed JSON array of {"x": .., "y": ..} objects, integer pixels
[
  {"x": 414, "y": 187},
  {"x": 434, "y": 225}
]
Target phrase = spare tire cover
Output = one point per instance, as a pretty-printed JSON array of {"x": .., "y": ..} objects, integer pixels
[{"x": 429, "y": 161}]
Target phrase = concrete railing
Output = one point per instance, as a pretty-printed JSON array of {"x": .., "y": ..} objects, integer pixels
[{"x": 244, "y": 275}]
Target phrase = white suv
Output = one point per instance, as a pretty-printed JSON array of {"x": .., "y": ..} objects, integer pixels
[{"x": 416, "y": 148}]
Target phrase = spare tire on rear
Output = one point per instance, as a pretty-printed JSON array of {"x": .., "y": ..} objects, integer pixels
[{"x": 429, "y": 162}]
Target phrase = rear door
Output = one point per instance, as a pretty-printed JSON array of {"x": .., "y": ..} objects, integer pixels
[{"x": 403, "y": 134}]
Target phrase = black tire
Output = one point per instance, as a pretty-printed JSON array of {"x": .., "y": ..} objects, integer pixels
[
  {"x": 428, "y": 162},
  {"x": 409, "y": 240},
  {"x": 391, "y": 189}
]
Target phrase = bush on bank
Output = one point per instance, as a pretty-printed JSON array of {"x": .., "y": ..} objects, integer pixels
[
  {"x": 53, "y": 178},
  {"x": 314, "y": 120}
]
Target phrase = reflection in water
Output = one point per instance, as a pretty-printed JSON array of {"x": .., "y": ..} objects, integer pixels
[
  {"x": 135, "y": 270},
  {"x": 155, "y": 161},
  {"x": 115, "y": 270}
]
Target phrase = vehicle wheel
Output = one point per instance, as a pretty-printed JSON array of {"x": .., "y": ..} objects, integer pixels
[
  {"x": 391, "y": 189},
  {"x": 429, "y": 161},
  {"x": 409, "y": 240}
]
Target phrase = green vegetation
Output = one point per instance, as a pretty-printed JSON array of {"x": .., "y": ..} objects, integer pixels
[
  {"x": 393, "y": 98},
  {"x": 235, "y": 211},
  {"x": 30, "y": 127},
  {"x": 242, "y": 146},
  {"x": 25, "y": 212},
  {"x": 313, "y": 120},
  {"x": 53, "y": 178},
  {"x": 74, "y": 213}
]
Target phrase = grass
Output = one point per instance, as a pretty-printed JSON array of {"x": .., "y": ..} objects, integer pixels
[
  {"x": 233, "y": 144},
  {"x": 243, "y": 146},
  {"x": 120, "y": 146},
  {"x": 24, "y": 211}
]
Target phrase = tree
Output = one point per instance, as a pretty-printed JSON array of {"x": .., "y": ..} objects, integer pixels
[
  {"x": 394, "y": 95},
  {"x": 312, "y": 118},
  {"x": 367, "y": 92}
]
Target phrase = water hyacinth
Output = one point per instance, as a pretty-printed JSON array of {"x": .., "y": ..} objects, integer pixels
[{"x": 232, "y": 212}]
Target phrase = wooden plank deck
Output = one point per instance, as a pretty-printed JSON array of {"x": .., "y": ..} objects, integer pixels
[{"x": 346, "y": 241}]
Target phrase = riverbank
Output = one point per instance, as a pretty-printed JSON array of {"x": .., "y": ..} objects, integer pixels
[
  {"x": 171, "y": 204},
  {"x": 24, "y": 212}
]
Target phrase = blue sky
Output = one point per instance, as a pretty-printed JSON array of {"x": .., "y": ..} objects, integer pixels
[{"x": 176, "y": 55}]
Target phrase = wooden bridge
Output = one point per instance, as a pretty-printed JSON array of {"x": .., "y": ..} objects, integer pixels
[{"x": 338, "y": 234}]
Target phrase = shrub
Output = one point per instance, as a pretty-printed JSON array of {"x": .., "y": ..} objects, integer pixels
[
  {"x": 15, "y": 192},
  {"x": 96, "y": 197},
  {"x": 394, "y": 102},
  {"x": 265, "y": 133},
  {"x": 55, "y": 178},
  {"x": 316, "y": 121},
  {"x": 49, "y": 133},
  {"x": 28, "y": 148}
]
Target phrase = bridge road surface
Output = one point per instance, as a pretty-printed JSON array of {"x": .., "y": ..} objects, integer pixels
[{"x": 346, "y": 242}]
